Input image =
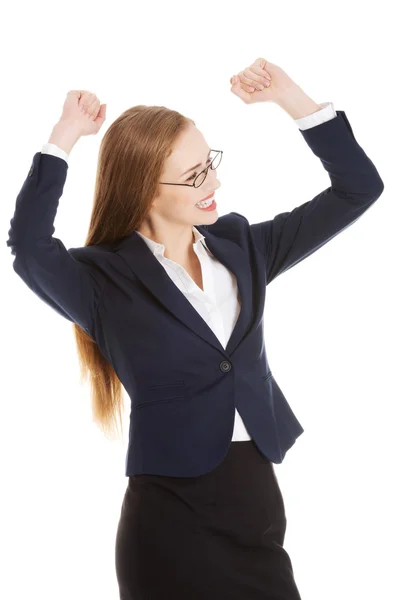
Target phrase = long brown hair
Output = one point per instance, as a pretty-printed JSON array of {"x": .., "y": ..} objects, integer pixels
[{"x": 130, "y": 162}]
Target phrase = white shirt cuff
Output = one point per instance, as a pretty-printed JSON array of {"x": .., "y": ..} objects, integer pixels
[
  {"x": 326, "y": 113},
  {"x": 54, "y": 150}
]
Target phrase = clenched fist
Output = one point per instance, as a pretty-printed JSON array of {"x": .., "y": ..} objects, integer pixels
[
  {"x": 261, "y": 82},
  {"x": 84, "y": 110}
]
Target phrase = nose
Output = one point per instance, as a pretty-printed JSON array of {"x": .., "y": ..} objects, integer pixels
[{"x": 212, "y": 173}]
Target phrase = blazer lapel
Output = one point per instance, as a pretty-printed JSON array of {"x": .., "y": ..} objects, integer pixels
[{"x": 152, "y": 274}]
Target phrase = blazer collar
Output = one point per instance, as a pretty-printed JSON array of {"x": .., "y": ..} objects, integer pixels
[{"x": 144, "y": 265}]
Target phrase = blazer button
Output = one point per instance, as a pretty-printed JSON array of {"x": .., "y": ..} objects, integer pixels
[
  {"x": 225, "y": 366},
  {"x": 30, "y": 172}
]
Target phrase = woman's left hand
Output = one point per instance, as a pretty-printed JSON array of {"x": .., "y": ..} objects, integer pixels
[{"x": 274, "y": 81}]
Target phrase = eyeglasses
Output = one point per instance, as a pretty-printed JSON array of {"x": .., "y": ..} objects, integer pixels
[{"x": 199, "y": 180}]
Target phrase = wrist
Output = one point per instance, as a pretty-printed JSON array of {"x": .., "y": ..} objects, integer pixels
[
  {"x": 297, "y": 103},
  {"x": 65, "y": 134}
]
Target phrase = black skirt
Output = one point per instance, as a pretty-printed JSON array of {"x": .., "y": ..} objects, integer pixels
[{"x": 213, "y": 537}]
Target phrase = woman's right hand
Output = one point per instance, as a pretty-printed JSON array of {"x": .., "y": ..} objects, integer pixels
[{"x": 84, "y": 110}]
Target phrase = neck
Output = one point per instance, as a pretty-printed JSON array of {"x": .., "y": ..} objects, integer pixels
[{"x": 178, "y": 247}]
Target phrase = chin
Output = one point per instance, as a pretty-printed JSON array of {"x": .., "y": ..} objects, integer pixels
[{"x": 208, "y": 218}]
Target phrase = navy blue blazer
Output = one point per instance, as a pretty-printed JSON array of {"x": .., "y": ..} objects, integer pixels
[{"x": 183, "y": 385}]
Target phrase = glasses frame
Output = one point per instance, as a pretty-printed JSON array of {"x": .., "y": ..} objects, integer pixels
[{"x": 198, "y": 175}]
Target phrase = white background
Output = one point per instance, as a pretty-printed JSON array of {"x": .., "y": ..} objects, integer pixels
[{"x": 331, "y": 323}]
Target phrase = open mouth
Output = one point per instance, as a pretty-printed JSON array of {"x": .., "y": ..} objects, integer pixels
[
  {"x": 206, "y": 204},
  {"x": 206, "y": 201}
]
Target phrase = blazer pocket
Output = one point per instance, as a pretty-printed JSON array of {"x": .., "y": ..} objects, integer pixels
[{"x": 164, "y": 393}]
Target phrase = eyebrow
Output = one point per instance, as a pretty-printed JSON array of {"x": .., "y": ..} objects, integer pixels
[{"x": 195, "y": 166}]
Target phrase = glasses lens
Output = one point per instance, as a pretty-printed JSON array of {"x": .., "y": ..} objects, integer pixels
[
  {"x": 214, "y": 164},
  {"x": 216, "y": 160},
  {"x": 200, "y": 178}
]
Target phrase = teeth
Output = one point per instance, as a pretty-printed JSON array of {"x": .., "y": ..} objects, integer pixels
[{"x": 205, "y": 203}]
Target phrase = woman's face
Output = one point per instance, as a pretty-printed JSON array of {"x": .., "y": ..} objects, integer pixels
[{"x": 177, "y": 203}]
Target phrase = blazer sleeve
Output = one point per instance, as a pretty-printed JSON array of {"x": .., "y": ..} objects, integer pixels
[
  {"x": 69, "y": 286},
  {"x": 290, "y": 237}
]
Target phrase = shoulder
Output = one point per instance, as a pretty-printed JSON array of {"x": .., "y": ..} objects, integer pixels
[
  {"x": 101, "y": 257},
  {"x": 233, "y": 221},
  {"x": 233, "y": 226},
  {"x": 93, "y": 253},
  {"x": 232, "y": 218}
]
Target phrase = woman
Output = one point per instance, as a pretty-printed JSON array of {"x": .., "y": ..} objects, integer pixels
[{"x": 167, "y": 300}]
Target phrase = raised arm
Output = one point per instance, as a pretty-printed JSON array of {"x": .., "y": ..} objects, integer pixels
[
  {"x": 67, "y": 285},
  {"x": 291, "y": 236}
]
